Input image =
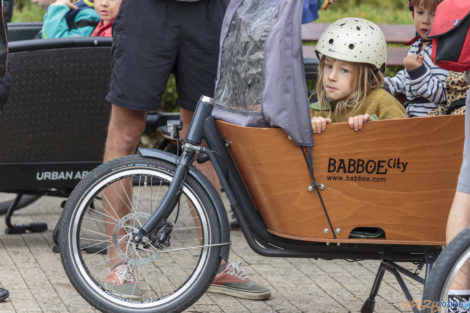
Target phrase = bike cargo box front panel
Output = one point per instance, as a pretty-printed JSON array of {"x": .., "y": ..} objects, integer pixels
[{"x": 396, "y": 175}]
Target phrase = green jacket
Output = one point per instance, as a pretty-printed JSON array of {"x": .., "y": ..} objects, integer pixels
[
  {"x": 55, "y": 23},
  {"x": 379, "y": 104}
]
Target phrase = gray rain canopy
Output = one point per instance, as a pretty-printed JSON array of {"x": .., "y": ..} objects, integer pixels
[{"x": 261, "y": 79}]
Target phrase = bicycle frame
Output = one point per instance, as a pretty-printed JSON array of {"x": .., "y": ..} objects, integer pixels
[{"x": 252, "y": 225}]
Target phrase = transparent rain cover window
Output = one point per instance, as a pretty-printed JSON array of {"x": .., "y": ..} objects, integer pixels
[
  {"x": 241, "y": 81},
  {"x": 261, "y": 78}
]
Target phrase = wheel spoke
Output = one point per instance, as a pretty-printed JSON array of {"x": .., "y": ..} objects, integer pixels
[
  {"x": 98, "y": 233},
  {"x": 130, "y": 206},
  {"x": 105, "y": 215},
  {"x": 115, "y": 205}
]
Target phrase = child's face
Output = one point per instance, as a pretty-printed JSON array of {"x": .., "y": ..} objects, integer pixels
[
  {"x": 423, "y": 20},
  {"x": 43, "y": 3},
  {"x": 107, "y": 9},
  {"x": 337, "y": 79}
]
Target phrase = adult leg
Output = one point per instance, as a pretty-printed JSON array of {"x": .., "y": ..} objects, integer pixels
[
  {"x": 144, "y": 53},
  {"x": 206, "y": 167},
  {"x": 230, "y": 278},
  {"x": 195, "y": 76},
  {"x": 124, "y": 132},
  {"x": 459, "y": 219},
  {"x": 459, "y": 215}
]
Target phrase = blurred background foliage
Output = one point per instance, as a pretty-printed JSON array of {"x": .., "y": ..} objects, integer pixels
[
  {"x": 26, "y": 11},
  {"x": 378, "y": 11}
]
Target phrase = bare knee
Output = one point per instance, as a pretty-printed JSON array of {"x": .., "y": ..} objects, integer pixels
[{"x": 124, "y": 132}]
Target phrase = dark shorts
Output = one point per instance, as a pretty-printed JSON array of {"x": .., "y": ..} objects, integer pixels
[{"x": 154, "y": 38}]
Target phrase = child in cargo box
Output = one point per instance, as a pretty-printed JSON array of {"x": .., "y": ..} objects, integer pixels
[{"x": 352, "y": 62}]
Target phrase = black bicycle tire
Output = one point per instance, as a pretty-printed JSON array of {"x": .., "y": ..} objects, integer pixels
[
  {"x": 204, "y": 279},
  {"x": 25, "y": 201},
  {"x": 442, "y": 268}
]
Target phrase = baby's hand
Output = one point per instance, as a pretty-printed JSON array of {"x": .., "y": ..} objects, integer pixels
[
  {"x": 357, "y": 122},
  {"x": 413, "y": 61},
  {"x": 67, "y": 3},
  {"x": 319, "y": 124}
]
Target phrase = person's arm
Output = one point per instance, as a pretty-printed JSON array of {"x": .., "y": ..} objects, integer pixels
[
  {"x": 55, "y": 24},
  {"x": 388, "y": 108},
  {"x": 399, "y": 84},
  {"x": 396, "y": 85},
  {"x": 429, "y": 81}
]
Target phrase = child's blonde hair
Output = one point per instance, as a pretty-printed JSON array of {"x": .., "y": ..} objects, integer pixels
[
  {"x": 426, "y": 4},
  {"x": 365, "y": 78}
]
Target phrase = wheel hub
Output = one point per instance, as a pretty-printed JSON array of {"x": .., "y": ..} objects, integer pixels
[{"x": 126, "y": 248}]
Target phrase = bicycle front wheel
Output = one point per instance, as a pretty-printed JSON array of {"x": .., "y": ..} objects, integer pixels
[
  {"x": 450, "y": 273},
  {"x": 114, "y": 201}
]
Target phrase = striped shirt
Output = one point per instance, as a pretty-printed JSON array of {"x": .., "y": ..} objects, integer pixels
[{"x": 423, "y": 87}]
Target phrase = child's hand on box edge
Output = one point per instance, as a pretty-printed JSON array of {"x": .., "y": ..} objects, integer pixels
[
  {"x": 319, "y": 124},
  {"x": 357, "y": 122}
]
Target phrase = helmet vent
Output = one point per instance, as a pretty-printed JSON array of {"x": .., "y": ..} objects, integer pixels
[{"x": 354, "y": 40}]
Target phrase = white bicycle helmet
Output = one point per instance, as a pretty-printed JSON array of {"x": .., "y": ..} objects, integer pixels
[{"x": 356, "y": 40}]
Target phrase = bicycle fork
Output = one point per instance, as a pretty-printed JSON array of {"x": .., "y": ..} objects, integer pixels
[{"x": 169, "y": 201}]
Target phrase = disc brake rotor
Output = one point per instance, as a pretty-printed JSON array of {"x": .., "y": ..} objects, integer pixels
[{"x": 128, "y": 250}]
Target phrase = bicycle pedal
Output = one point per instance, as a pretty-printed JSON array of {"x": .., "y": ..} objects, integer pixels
[
  {"x": 36, "y": 227},
  {"x": 21, "y": 229},
  {"x": 15, "y": 229}
]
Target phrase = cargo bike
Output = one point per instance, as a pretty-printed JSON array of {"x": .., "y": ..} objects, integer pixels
[{"x": 382, "y": 193}]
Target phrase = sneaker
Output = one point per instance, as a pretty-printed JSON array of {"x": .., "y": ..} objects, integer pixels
[
  {"x": 3, "y": 294},
  {"x": 233, "y": 282},
  {"x": 121, "y": 281}
]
